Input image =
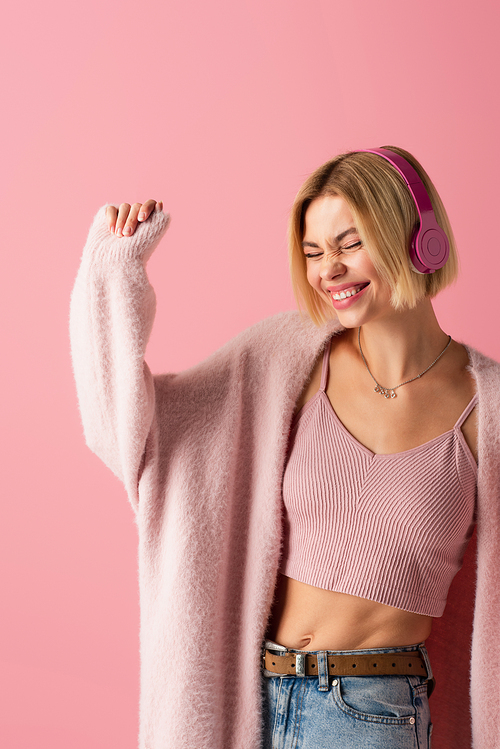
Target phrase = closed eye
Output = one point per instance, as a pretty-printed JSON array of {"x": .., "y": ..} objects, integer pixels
[
  {"x": 351, "y": 247},
  {"x": 343, "y": 250}
]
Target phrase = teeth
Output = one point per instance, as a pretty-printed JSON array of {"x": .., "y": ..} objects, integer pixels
[{"x": 346, "y": 294}]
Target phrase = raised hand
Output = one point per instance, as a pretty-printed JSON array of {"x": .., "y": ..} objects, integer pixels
[{"x": 122, "y": 221}]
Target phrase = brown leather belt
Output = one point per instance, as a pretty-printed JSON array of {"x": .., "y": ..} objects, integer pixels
[{"x": 383, "y": 664}]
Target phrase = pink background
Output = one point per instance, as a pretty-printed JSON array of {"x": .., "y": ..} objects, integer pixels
[{"x": 220, "y": 109}]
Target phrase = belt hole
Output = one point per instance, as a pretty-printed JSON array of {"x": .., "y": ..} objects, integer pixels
[
  {"x": 409, "y": 665},
  {"x": 354, "y": 665},
  {"x": 293, "y": 665},
  {"x": 374, "y": 665},
  {"x": 273, "y": 663},
  {"x": 394, "y": 665},
  {"x": 313, "y": 665},
  {"x": 332, "y": 665}
]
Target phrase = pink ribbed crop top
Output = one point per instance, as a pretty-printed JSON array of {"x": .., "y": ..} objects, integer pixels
[{"x": 390, "y": 528}]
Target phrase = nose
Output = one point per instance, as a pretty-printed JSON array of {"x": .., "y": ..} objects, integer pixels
[{"x": 331, "y": 265}]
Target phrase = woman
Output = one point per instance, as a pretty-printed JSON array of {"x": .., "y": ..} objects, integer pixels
[{"x": 378, "y": 492}]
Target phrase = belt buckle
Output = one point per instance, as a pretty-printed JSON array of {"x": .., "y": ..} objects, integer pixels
[{"x": 271, "y": 645}]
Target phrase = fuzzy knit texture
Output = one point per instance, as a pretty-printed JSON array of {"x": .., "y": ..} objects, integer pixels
[{"x": 201, "y": 454}]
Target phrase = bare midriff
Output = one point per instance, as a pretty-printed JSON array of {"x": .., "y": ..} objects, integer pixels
[{"x": 308, "y": 618}]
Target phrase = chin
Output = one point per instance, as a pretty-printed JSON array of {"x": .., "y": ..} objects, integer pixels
[{"x": 351, "y": 320}]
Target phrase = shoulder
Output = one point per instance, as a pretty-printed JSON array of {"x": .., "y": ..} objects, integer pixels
[
  {"x": 289, "y": 332},
  {"x": 486, "y": 372},
  {"x": 286, "y": 344},
  {"x": 279, "y": 348}
]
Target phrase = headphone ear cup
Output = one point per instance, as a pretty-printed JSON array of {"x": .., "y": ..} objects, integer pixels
[
  {"x": 415, "y": 264},
  {"x": 429, "y": 249}
]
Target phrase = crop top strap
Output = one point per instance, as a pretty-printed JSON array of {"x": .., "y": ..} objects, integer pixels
[
  {"x": 467, "y": 411},
  {"x": 326, "y": 366}
]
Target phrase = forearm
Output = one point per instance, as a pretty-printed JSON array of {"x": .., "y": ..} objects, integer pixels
[{"x": 112, "y": 312}]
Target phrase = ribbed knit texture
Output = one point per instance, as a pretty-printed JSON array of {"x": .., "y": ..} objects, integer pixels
[{"x": 390, "y": 528}]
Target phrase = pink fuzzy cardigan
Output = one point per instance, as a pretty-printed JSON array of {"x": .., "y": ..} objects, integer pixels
[{"x": 201, "y": 454}]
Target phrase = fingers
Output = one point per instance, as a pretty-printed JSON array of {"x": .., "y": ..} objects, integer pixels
[
  {"x": 123, "y": 221},
  {"x": 129, "y": 220},
  {"x": 146, "y": 209},
  {"x": 111, "y": 214}
]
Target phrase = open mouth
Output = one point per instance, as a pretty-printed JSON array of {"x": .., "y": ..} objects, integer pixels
[{"x": 339, "y": 295}]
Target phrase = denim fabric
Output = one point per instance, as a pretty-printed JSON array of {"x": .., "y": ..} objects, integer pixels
[{"x": 346, "y": 712}]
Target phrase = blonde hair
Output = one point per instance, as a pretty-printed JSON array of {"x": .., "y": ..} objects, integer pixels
[{"x": 385, "y": 215}]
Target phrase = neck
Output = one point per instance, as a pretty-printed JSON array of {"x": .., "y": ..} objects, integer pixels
[{"x": 402, "y": 346}]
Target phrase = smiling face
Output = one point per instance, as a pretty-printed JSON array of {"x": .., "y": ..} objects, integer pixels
[{"x": 338, "y": 266}]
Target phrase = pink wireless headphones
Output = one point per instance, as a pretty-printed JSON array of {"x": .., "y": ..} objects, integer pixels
[{"x": 429, "y": 247}]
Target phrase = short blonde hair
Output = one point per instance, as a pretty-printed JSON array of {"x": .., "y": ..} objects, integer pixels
[{"x": 385, "y": 215}]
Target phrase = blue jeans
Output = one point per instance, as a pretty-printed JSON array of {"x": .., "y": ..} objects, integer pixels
[{"x": 347, "y": 712}]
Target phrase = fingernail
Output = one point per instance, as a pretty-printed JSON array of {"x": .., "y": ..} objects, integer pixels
[
  {"x": 141, "y": 216},
  {"x": 127, "y": 230},
  {"x": 118, "y": 231}
]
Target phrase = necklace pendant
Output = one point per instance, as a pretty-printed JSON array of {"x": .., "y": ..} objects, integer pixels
[{"x": 385, "y": 392}]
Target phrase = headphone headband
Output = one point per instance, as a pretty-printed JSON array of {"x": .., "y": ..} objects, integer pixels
[{"x": 430, "y": 248}]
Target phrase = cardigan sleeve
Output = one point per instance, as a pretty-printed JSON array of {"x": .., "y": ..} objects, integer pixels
[{"x": 112, "y": 313}]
